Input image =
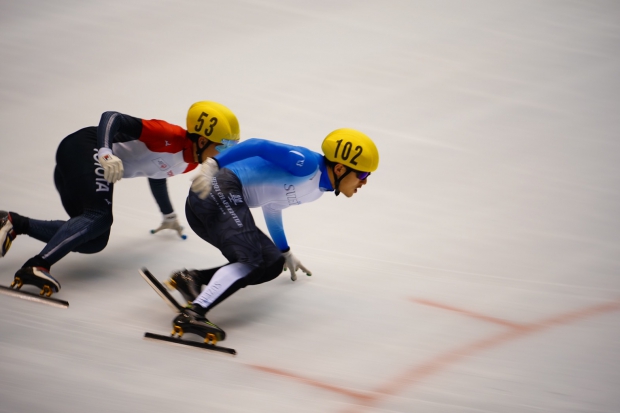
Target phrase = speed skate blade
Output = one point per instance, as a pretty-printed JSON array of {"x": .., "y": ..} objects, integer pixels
[
  {"x": 197, "y": 344},
  {"x": 161, "y": 290},
  {"x": 25, "y": 295}
]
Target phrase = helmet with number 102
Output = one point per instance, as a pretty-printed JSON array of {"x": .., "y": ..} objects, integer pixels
[
  {"x": 352, "y": 149},
  {"x": 214, "y": 121}
]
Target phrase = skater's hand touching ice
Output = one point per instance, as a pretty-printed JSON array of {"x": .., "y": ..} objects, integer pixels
[
  {"x": 170, "y": 222},
  {"x": 112, "y": 165},
  {"x": 201, "y": 183},
  {"x": 293, "y": 264}
]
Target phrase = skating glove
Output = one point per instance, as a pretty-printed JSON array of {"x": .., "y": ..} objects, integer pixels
[
  {"x": 201, "y": 184},
  {"x": 170, "y": 222},
  {"x": 112, "y": 165},
  {"x": 293, "y": 264}
]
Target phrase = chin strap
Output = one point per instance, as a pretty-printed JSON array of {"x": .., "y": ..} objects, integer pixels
[
  {"x": 337, "y": 180},
  {"x": 199, "y": 150}
]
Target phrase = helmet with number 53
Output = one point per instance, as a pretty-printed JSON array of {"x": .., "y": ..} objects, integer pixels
[
  {"x": 351, "y": 148},
  {"x": 212, "y": 120}
]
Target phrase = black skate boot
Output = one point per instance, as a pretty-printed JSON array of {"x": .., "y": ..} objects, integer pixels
[
  {"x": 38, "y": 276},
  {"x": 7, "y": 233},
  {"x": 186, "y": 282},
  {"x": 190, "y": 321}
]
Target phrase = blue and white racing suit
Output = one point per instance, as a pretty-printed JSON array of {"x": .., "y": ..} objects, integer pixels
[{"x": 255, "y": 173}]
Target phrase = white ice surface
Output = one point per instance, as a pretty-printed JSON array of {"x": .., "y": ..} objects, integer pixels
[{"x": 496, "y": 202}]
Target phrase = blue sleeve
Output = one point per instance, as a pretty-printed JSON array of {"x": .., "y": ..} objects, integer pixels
[
  {"x": 296, "y": 160},
  {"x": 273, "y": 219}
]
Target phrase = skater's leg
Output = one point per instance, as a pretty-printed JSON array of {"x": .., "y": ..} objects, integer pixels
[
  {"x": 234, "y": 233},
  {"x": 206, "y": 274},
  {"x": 270, "y": 272},
  {"x": 74, "y": 235},
  {"x": 86, "y": 197},
  {"x": 273, "y": 262},
  {"x": 189, "y": 283},
  {"x": 87, "y": 233},
  {"x": 247, "y": 249},
  {"x": 43, "y": 230},
  {"x": 14, "y": 224},
  {"x": 225, "y": 282}
]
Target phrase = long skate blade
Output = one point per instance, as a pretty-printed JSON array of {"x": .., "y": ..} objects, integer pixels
[
  {"x": 25, "y": 295},
  {"x": 161, "y": 290},
  {"x": 175, "y": 340}
]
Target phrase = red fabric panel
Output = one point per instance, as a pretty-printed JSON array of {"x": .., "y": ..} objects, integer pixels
[{"x": 160, "y": 136}]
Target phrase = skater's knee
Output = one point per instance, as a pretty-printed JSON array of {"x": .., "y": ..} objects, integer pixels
[
  {"x": 94, "y": 245},
  {"x": 98, "y": 244},
  {"x": 275, "y": 269},
  {"x": 99, "y": 232},
  {"x": 267, "y": 273}
]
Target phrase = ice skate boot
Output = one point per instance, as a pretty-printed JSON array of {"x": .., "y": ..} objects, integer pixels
[
  {"x": 7, "y": 233},
  {"x": 189, "y": 321},
  {"x": 38, "y": 276},
  {"x": 186, "y": 282}
]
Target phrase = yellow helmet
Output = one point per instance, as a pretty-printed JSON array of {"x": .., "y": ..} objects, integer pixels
[
  {"x": 352, "y": 149},
  {"x": 214, "y": 121}
]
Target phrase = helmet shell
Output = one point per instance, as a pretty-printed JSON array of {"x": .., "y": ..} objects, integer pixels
[
  {"x": 212, "y": 120},
  {"x": 351, "y": 148}
]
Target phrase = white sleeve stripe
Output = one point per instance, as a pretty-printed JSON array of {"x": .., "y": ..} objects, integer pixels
[{"x": 106, "y": 135}]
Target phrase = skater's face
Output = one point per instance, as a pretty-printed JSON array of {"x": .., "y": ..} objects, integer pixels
[
  {"x": 210, "y": 152},
  {"x": 351, "y": 182}
]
